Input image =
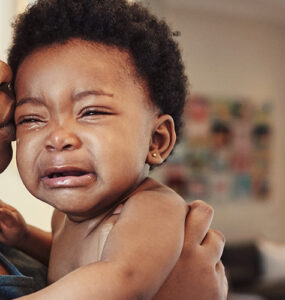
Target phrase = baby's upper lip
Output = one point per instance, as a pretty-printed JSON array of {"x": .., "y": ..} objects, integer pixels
[{"x": 65, "y": 171}]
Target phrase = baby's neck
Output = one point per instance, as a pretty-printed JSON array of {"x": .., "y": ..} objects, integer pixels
[{"x": 100, "y": 214}]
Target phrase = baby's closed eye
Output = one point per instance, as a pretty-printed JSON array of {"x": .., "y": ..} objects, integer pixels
[
  {"x": 27, "y": 120},
  {"x": 91, "y": 112}
]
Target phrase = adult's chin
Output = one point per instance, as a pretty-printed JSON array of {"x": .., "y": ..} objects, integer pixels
[{"x": 5, "y": 156}]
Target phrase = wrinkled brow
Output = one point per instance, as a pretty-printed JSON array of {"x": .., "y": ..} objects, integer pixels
[
  {"x": 76, "y": 97},
  {"x": 32, "y": 100},
  {"x": 83, "y": 94}
]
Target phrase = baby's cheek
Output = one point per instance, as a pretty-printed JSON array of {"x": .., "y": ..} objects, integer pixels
[
  {"x": 21, "y": 157},
  {"x": 18, "y": 146}
]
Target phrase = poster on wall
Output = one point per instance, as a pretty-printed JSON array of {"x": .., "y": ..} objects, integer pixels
[{"x": 224, "y": 154}]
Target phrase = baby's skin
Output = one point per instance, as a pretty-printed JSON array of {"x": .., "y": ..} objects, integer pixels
[
  {"x": 137, "y": 256},
  {"x": 87, "y": 135}
]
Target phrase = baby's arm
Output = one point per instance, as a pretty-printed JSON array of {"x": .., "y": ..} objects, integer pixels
[
  {"x": 27, "y": 238},
  {"x": 140, "y": 252},
  {"x": 150, "y": 235}
]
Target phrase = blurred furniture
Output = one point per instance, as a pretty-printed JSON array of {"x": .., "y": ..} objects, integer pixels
[{"x": 255, "y": 270}]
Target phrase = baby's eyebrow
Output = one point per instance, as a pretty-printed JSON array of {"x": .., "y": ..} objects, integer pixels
[
  {"x": 83, "y": 94},
  {"x": 75, "y": 97},
  {"x": 33, "y": 100}
]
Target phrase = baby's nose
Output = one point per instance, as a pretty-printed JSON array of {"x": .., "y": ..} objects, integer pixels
[{"x": 62, "y": 139}]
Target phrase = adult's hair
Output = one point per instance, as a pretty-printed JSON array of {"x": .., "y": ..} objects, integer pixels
[{"x": 117, "y": 23}]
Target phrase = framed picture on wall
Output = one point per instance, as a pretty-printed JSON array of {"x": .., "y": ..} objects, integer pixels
[{"x": 225, "y": 151}]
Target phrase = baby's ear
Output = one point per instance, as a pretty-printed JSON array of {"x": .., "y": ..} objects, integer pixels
[{"x": 162, "y": 141}]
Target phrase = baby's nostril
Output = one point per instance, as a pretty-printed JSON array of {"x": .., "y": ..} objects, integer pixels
[{"x": 67, "y": 147}]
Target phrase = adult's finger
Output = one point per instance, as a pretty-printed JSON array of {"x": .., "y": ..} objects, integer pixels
[
  {"x": 5, "y": 205},
  {"x": 214, "y": 243},
  {"x": 7, "y": 217},
  {"x": 198, "y": 222},
  {"x": 224, "y": 286}
]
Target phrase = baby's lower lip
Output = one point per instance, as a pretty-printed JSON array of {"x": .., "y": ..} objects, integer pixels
[{"x": 69, "y": 181}]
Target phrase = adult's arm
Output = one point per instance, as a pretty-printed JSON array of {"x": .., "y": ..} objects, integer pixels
[{"x": 199, "y": 272}]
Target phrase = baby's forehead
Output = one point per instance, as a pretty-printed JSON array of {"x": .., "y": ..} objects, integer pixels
[
  {"x": 86, "y": 64},
  {"x": 121, "y": 62}
]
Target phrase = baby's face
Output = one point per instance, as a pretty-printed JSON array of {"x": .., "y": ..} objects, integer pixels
[{"x": 84, "y": 125}]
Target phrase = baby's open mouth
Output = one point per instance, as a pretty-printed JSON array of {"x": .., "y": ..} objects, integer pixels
[
  {"x": 68, "y": 173},
  {"x": 68, "y": 178}
]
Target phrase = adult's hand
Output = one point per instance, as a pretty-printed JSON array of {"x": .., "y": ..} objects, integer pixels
[
  {"x": 199, "y": 273},
  {"x": 7, "y": 130}
]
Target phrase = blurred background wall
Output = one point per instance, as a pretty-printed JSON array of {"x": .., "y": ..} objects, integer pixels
[
  {"x": 230, "y": 48},
  {"x": 7, "y": 9},
  {"x": 237, "y": 48}
]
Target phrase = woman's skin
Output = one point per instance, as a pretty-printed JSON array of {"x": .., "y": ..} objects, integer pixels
[
  {"x": 7, "y": 132},
  {"x": 198, "y": 274},
  {"x": 6, "y": 112}
]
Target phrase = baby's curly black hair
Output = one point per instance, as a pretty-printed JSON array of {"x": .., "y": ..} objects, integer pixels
[{"x": 128, "y": 26}]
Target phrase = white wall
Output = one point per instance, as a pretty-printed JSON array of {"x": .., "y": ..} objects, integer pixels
[
  {"x": 7, "y": 9},
  {"x": 233, "y": 56}
]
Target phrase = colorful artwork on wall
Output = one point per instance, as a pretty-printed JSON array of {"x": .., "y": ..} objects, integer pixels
[{"x": 224, "y": 154}]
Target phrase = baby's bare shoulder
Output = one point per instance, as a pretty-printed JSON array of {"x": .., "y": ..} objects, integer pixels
[
  {"x": 154, "y": 194},
  {"x": 157, "y": 189}
]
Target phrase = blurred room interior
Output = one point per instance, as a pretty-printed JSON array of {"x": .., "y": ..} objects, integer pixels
[{"x": 232, "y": 152}]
